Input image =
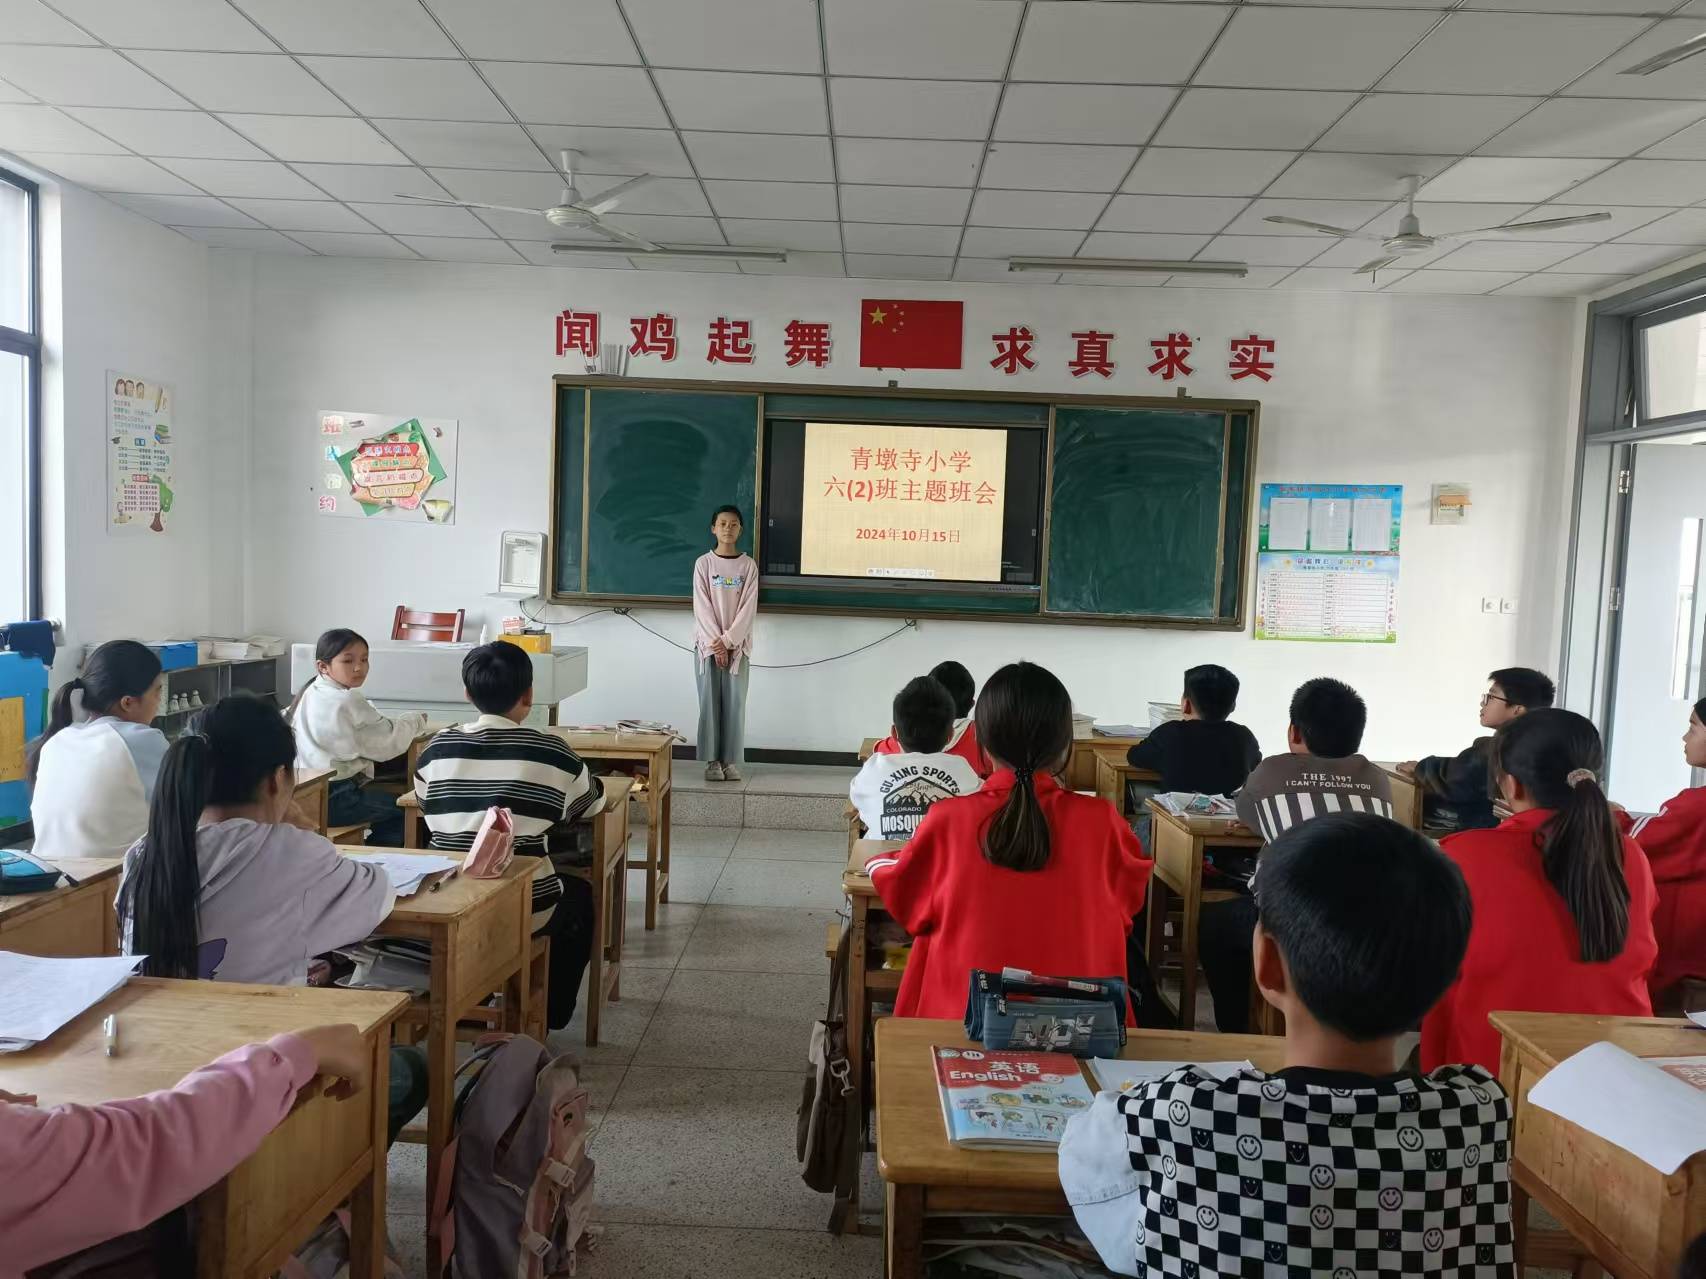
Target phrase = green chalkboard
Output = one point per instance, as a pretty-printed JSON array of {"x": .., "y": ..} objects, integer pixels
[{"x": 1135, "y": 506}]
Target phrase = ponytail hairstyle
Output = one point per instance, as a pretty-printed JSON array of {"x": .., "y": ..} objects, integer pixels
[
  {"x": 222, "y": 758},
  {"x": 326, "y": 649},
  {"x": 1556, "y": 755},
  {"x": 1024, "y": 720},
  {"x": 116, "y": 670}
]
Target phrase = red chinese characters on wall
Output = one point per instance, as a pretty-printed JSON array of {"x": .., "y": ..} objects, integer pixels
[
  {"x": 578, "y": 331},
  {"x": 1013, "y": 350},
  {"x": 805, "y": 343},
  {"x": 730, "y": 342},
  {"x": 1092, "y": 353},
  {"x": 653, "y": 335},
  {"x": 1171, "y": 353},
  {"x": 1247, "y": 358}
]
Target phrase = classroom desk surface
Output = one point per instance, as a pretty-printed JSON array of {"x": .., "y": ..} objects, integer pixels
[
  {"x": 1087, "y": 747},
  {"x": 607, "y": 876},
  {"x": 68, "y": 922},
  {"x": 326, "y": 1150},
  {"x": 653, "y": 753},
  {"x": 1406, "y": 796}
]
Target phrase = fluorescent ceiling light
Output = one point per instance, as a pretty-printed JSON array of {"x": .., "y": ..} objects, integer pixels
[
  {"x": 1132, "y": 266},
  {"x": 1659, "y": 61},
  {"x": 677, "y": 251}
]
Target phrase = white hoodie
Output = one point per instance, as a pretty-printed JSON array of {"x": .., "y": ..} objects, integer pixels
[
  {"x": 339, "y": 729},
  {"x": 893, "y": 792}
]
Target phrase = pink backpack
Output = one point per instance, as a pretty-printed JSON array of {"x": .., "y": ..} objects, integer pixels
[
  {"x": 493, "y": 846},
  {"x": 515, "y": 1185}
]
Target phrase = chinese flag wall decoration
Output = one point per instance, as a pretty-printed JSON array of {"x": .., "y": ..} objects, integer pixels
[{"x": 901, "y": 333}]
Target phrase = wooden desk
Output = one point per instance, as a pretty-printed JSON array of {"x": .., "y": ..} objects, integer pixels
[
  {"x": 648, "y": 753},
  {"x": 326, "y": 1151},
  {"x": 865, "y": 981},
  {"x": 608, "y": 876},
  {"x": 313, "y": 789},
  {"x": 1178, "y": 845},
  {"x": 1628, "y": 1216},
  {"x": 1080, "y": 771},
  {"x": 927, "y": 1174},
  {"x": 68, "y": 922},
  {"x": 868, "y": 748},
  {"x": 1406, "y": 797},
  {"x": 1113, "y": 773}
]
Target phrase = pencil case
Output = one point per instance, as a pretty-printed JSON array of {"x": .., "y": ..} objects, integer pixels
[
  {"x": 1086, "y": 1019},
  {"x": 18, "y": 874}
]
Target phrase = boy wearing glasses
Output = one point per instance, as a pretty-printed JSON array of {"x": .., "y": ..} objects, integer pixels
[{"x": 1455, "y": 787}]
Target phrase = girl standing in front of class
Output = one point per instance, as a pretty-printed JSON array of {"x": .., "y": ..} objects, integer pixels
[
  {"x": 725, "y": 600},
  {"x": 338, "y": 728}
]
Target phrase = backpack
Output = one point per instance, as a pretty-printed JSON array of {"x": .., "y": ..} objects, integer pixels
[{"x": 515, "y": 1185}]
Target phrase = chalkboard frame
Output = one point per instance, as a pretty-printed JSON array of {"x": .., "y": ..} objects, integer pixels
[{"x": 1250, "y": 409}]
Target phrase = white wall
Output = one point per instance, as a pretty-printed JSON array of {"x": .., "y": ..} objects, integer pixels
[{"x": 1370, "y": 388}]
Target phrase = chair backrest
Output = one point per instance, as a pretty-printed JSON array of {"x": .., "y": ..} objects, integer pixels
[{"x": 420, "y": 624}]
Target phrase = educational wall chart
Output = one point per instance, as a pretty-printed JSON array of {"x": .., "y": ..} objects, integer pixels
[
  {"x": 387, "y": 466},
  {"x": 140, "y": 451},
  {"x": 1327, "y": 567}
]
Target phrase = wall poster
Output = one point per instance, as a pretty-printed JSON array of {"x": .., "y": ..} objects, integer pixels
[
  {"x": 1327, "y": 563},
  {"x": 140, "y": 452},
  {"x": 388, "y": 466}
]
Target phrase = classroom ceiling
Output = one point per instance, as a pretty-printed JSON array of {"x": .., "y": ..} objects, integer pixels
[{"x": 910, "y": 139}]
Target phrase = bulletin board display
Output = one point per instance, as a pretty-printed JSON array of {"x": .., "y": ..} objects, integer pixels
[{"x": 141, "y": 454}]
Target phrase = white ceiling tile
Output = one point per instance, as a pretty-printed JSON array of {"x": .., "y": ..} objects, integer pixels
[
  {"x": 1109, "y": 113},
  {"x": 304, "y": 215},
  {"x": 371, "y": 181},
  {"x": 894, "y": 267},
  {"x": 184, "y": 210},
  {"x": 873, "y": 237},
  {"x": 11, "y": 93},
  {"x": 1344, "y": 176},
  {"x": 1422, "y": 123},
  {"x": 630, "y": 151},
  {"x": 1312, "y": 48},
  {"x": 1056, "y": 166},
  {"x": 1262, "y": 118},
  {"x": 1257, "y": 277},
  {"x": 328, "y": 139},
  {"x": 421, "y": 88},
  {"x": 83, "y": 77},
  {"x": 1263, "y": 250},
  {"x": 441, "y": 248},
  {"x": 260, "y": 179},
  {"x": 1623, "y": 259},
  {"x": 27, "y": 127},
  {"x": 1570, "y": 6},
  {"x": 778, "y": 157},
  {"x": 1184, "y": 171},
  {"x": 538, "y": 30},
  {"x": 728, "y": 35},
  {"x": 242, "y": 82},
  {"x": 1685, "y": 79},
  {"x": 1443, "y": 281},
  {"x": 1350, "y": 254},
  {"x": 1440, "y": 217},
  {"x": 540, "y": 253},
  {"x": 799, "y": 264},
  {"x": 1203, "y": 214},
  {"x": 1000, "y": 242},
  {"x": 421, "y": 219},
  {"x": 1341, "y": 213},
  {"x": 669, "y": 230},
  {"x": 950, "y": 39},
  {"x": 110, "y": 173},
  {"x": 1115, "y": 43},
  {"x": 1593, "y": 127},
  {"x": 344, "y": 244},
  {"x": 184, "y": 133},
  {"x": 454, "y": 145},
  {"x": 1497, "y": 178},
  {"x": 913, "y": 108},
  {"x": 1123, "y": 244},
  {"x": 1663, "y": 182},
  {"x": 531, "y": 226},
  {"x": 541, "y": 190},
  {"x": 235, "y": 237},
  {"x": 1506, "y": 254},
  {"x": 903, "y": 163},
  {"x": 31, "y": 22},
  {"x": 1509, "y": 52},
  {"x": 166, "y": 24},
  {"x": 1623, "y": 220},
  {"x": 774, "y": 233},
  {"x": 814, "y": 201},
  {"x": 1332, "y": 280},
  {"x": 904, "y": 204},
  {"x": 544, "y": 93},
  {"x": 1065, "y": 211},
  {"x": 693, "y": 266},
  {"x": 380, "y": 28},
  {"x": 1558, "y": 285},
  {"x": 746, "y": 101},
  {"x": 1689, "y": 144},
  {"x": 683, "y": 196},
  {"x": 994, "y": 271},
  {"x": 1685, "y": 226},
  {"x": 1110, "y": 280}
]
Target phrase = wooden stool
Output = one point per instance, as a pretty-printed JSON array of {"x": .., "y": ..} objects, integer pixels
[
  {"x": 489, "y": 1017},
  {"x": 342, "y": 834}
]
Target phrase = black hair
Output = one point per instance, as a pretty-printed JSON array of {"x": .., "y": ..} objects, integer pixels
[
  {"x": 1373, "y": 920},
  {"x": 959, "y": 683},
  {"x": 326, "y": 649},
  {"x": 1329, "y": 715},
  {"x": 116, "y": 670},
  {"x": 923, "y": 716},
  {"x": 1693, "y": 1263},
  {"x": 223, "y": 757},
  {"x": 1700, "y": 714},
  {"x": 1581, "y": 848},
  {"x": 496, "y": 676},
  {"x": 1524, "y": 687},
  {"x": 728, "y": 510},
  {"x": 1213, "y": 691},
  {"x": 1024, "y": 720}
]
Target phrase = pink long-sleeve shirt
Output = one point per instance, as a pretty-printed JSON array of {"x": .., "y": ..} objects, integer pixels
[
  {"x": 73, "y": 1176},
  {"x": 725, "y": 600}
]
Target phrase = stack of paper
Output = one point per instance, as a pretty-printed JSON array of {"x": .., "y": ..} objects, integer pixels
[
  {"x": 1161, "y": 712},
  {"x": 408, "y": 871},
  {"x": 1186, "y": 804},
  {"x": 1116, "y": 1075},
  {"x": 1654, "y": 1107},
  {"x": 1117, "y": 730},
  {"x": 38, "y": 996}
]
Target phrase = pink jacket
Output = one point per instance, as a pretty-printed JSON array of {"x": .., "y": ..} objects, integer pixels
[
  {"x": 725, "y": 600},
  {"x": 73, "y": 1176}
]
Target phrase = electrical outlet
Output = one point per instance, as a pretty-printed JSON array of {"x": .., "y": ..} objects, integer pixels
[
  {"x": 1489, "y": 604},
  {"x": 1507, "y": 606}
]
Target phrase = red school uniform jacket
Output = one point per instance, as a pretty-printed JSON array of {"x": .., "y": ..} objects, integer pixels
[
  {"x": 1674, "y": 839},
  {"x": 1524, "y": 951},
  {"x": 963, "y": 743},
  {"x": 1069, "y": 919}
]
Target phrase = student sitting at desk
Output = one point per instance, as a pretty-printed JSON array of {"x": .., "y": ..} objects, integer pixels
[
  {"x": 893, "y": 792},
  {"x": 962, "y": 740},
  {"x": 1674, "y": 839},
  {"x": 1022, "y": 873},
  {"x": 1563, "y": 900},
  {"x": 1454, "y": 787},
  {"x": 499, "y": 762},
  {"x": 1203, "y": 752},
  {"x": 1335, "y": 1164}
]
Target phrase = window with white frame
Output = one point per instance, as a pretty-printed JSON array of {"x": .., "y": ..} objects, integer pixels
[{"x": 20, "y": 399}]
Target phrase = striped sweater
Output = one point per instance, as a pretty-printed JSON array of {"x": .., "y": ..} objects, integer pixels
[{"x": 1284, "y": 790}]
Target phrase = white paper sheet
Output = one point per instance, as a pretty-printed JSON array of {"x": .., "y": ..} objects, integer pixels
[
  {"x": 1115, "y": 1074},
  {"x": 1371, "y": 524},
  {"x": 1635, "y": 1104},
  {"x": 407, "y": 870},
  {"x": 1329, "y": 525},
  {"x": 38, "y": 996},
  {"x": 1288, "y": 524}
]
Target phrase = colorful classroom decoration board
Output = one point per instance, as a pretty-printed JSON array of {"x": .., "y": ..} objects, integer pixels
[
  {"x": 140, "y": 453},
  {"x": 1327, "y": 568},
  {"x": 387, "y": 466}
]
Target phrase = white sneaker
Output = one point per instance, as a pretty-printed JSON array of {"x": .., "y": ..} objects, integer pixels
[
  {"x": 731, "y": 773},
  {"x": 714, "y": 772}
]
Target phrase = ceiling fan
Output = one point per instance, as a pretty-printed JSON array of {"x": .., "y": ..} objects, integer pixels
[
  {"x": 573, "y": 209},
  {"x": 1409, "y": 237}
]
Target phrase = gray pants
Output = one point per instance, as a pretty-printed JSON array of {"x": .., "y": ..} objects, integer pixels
[{"x": 722, "y": 712}]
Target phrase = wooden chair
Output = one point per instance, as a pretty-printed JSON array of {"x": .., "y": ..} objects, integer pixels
[{"x": 420, "y": 624}]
